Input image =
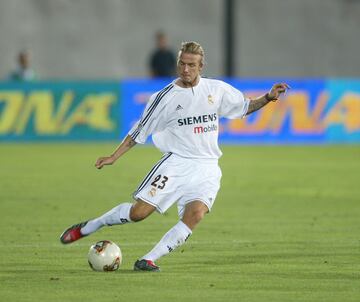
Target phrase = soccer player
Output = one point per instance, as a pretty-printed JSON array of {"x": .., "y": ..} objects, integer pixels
[{"x": 183, "y": 119}]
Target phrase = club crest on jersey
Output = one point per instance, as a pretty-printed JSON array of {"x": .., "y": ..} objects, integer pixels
[
  {"x": 152, "y": 192},
  {"x": 210, "y": 99}
]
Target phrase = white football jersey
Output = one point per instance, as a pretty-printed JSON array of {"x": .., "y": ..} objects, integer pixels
[{"x": 185, "y": 121}]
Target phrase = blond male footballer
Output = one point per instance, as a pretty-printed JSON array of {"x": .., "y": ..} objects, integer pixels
[{"x": 183, "y": 119}]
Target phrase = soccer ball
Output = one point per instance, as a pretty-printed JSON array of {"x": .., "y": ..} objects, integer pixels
[{"x": 104, "y": 256}]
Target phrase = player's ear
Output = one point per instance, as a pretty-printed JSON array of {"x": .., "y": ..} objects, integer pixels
[{"x": 201, "y": 65}]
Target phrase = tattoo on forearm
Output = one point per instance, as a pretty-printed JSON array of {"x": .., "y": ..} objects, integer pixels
[{"x": 256, "y": 104}]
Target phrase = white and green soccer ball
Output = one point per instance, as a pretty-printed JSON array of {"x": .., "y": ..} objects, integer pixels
[{"x": 104, "y": 256}]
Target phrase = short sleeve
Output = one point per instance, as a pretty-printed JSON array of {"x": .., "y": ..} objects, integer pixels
[
  {"x": 233, "y": 104},
  {"x": 152, "y": 120}
]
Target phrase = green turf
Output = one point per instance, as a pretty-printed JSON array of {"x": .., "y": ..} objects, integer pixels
[{"x": 285, "y": 227}]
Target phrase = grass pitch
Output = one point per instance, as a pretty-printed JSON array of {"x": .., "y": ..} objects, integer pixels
[{"x": 285, "y": 227}]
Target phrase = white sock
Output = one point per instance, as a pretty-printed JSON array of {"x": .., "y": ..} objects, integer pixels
[
  {"x": 118, "y": 215},
  {"x": 171, "y": 240}
]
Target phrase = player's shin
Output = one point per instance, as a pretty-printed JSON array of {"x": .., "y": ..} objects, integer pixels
[
  {"x": 118, "y": 215},
  {"x": 174, "y": 238}
]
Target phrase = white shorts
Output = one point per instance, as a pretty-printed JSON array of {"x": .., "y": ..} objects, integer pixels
[{"x": 182, "y": 180}]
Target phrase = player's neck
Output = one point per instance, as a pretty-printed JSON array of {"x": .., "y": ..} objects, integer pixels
[{"x": 184, "y": 84}]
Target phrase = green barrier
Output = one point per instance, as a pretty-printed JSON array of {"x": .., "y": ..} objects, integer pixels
[{"x": 59, "y": 111}]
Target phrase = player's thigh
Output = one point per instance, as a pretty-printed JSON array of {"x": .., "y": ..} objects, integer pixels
[
  {"x": 203, "y": 187},
  {"x": 160, "y": 187}
]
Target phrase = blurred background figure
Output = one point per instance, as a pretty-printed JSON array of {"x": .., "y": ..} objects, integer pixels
[
  {"x": 24, "y": 72},
  {"x": 162, "y": 61}
]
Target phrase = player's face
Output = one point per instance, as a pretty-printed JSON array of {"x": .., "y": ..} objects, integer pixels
[{"x": 189, "y": 67}]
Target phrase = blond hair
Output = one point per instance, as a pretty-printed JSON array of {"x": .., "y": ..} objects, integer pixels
[{"x": 193, "y": 48}]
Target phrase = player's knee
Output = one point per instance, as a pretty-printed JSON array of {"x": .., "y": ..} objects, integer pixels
[
  {"x": 140, "y": 210},
  {"x": 192, "y": 218},
  {"x": 136, "y": 215},
  {"x": 197, "y": 215}
]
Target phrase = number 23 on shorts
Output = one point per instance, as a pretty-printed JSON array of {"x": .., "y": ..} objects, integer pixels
[{"x": 162, "y": 179}]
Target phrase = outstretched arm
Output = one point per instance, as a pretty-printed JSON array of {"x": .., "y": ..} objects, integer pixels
[
  {"x": 125, "y": 146},
  {"x": 272, "y": 96}
]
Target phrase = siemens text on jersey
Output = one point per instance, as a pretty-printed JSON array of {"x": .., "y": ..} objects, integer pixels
[{"x": 197, "y": 119}]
